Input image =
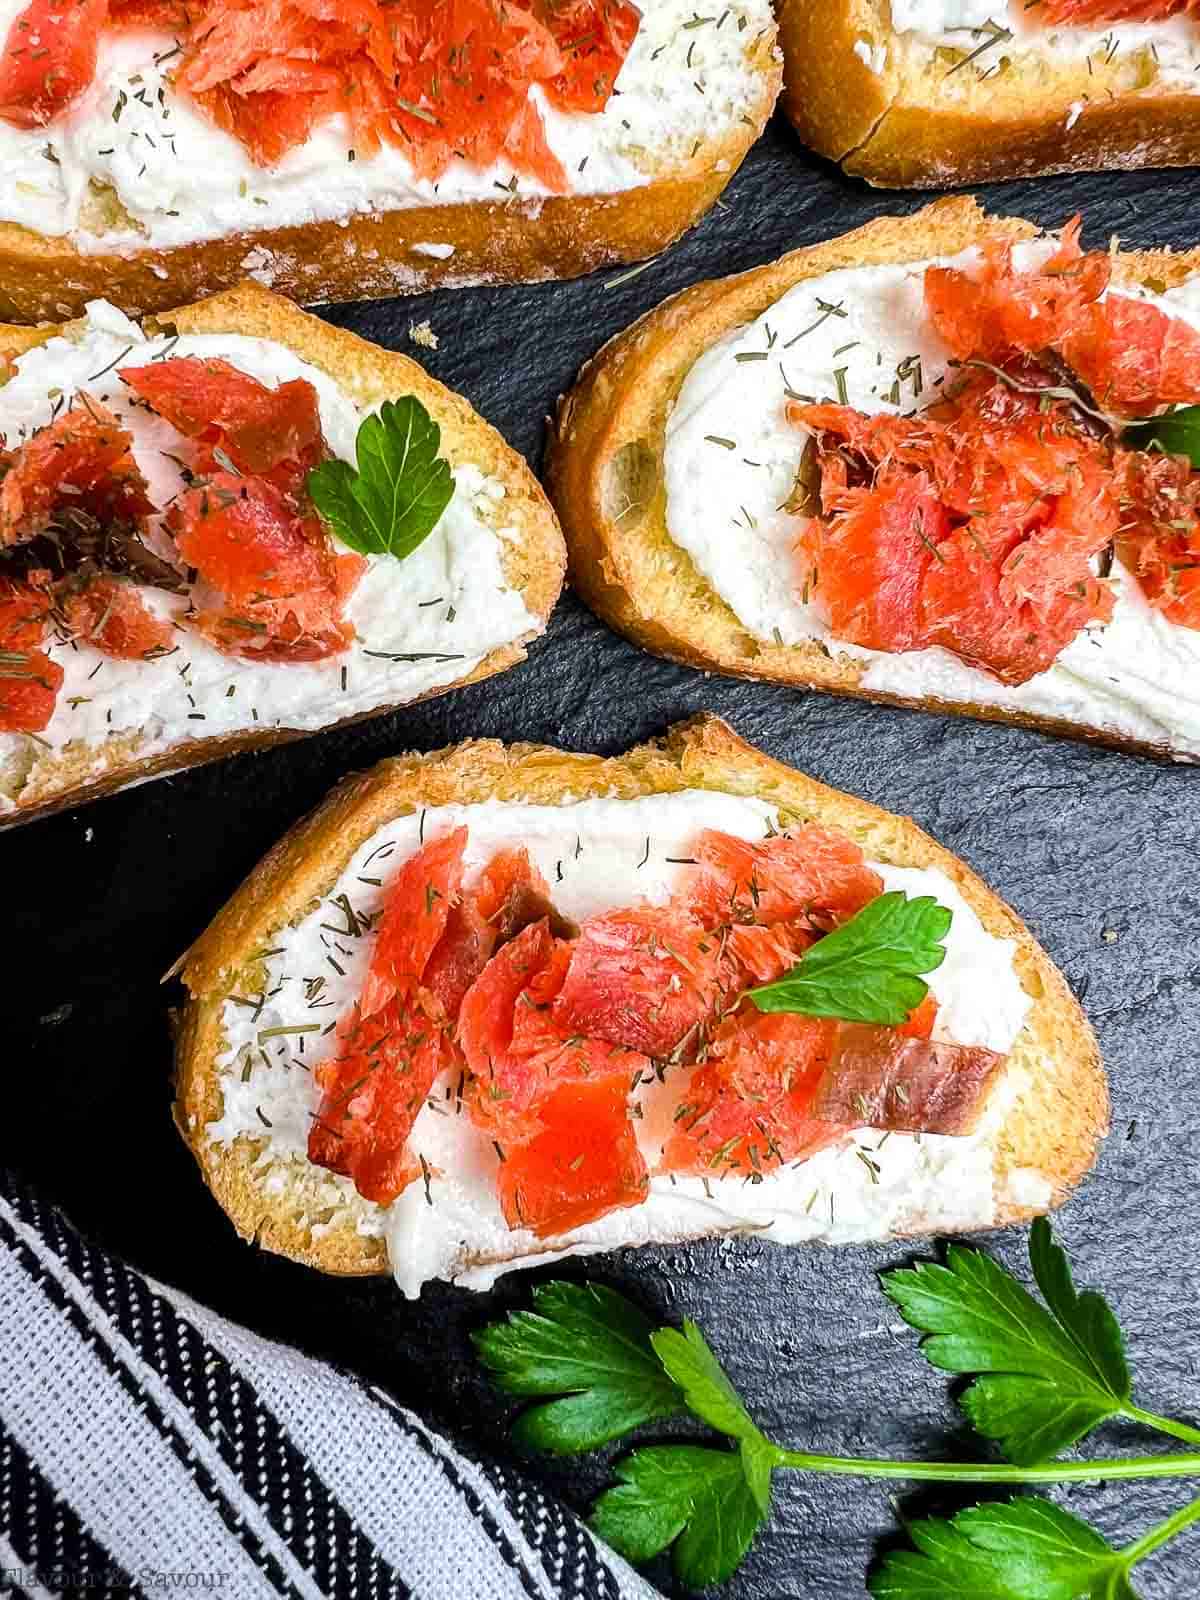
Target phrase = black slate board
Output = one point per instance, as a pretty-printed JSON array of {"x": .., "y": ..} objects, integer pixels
[{"x": 1084, "y": 844}]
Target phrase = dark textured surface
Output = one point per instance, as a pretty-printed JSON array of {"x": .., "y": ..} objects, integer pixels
[{"x": 1085, "y": 845}]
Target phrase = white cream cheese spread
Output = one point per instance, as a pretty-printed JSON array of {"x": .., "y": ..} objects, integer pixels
[
  {"x": 597, "y": 854},
  {"x": 420, "y": 624},
  {"x": 731, "y": 459},
  {"x": 1165, "y": 53},
  {"x": 178, "y": 179}
]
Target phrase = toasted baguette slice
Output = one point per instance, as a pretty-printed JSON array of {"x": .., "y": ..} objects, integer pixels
[
  {"x": 35, "y": 780},
  {"x": 903, "y": 114},
  {"x": 606, "y": 476},
  {"x": 1044, "y": 1143},
  {"x": 507, "y": 239}
]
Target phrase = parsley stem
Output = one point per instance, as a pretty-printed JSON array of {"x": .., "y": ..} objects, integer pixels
[
  {"x": 1159, "y": 1535},
  {"x": 1173, "y": 1466},
  {"x": 1179, "y": 1430}
]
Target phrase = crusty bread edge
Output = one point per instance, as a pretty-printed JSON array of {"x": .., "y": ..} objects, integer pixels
[
  {"x": 888, "y": 126},
  {"x": 623, "y": 562},
  {"x": 534, "y": 562},
  {"x": 1054, "y": 1122},
  {"x": 514, "y": 240}
]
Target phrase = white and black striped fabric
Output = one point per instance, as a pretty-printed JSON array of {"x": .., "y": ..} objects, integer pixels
[{"x": 148, "y": 1447}]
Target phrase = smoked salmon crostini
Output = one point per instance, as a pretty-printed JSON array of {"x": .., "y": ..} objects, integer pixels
[
  {"x": 157, "y": 150},
  {"x": 496, "y": 1005},
  {"x": 237, "y": 526},
  {"x": 946, "y": 461}
]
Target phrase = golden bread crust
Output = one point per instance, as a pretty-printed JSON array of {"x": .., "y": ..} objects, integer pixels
[{"x": 919, "y": 120}]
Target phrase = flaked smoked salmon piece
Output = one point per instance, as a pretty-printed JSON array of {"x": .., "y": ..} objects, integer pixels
[
  {"x": 264, "y": 432},
  {"x": 986, "y": 516},
  {"x": 643, "y": 979},
  {"x": 373, "y": 1087},
  {"x": 29, "y": 679},
  {"x": 82, "y": 462},
  {"x": 582, "y": 1164},
  {"x": 811, "y": 870},
  {"x": 110, "y": 614},
  {"x": 748, "y": 1109},
  {"x": 517, "y": 1047},
  {"x": 49, "y": 59}
]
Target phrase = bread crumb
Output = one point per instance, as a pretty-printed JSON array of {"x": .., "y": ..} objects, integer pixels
[
  {"x": 421, "y": 333},
  {"x": 1110, "y": 936}
]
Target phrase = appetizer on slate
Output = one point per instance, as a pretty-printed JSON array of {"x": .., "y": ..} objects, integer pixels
[
  {"x": 943, "y": 461},
  {"x": 152, "y": 150},
  {"x": 237, "y": 527},
  {"x": 493, "y": 1006},
  {"x": 930, "y": 93}
]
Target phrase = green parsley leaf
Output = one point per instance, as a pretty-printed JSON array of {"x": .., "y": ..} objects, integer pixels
[
  {"x": 1027, "y": 1550},
  {"x": 707, "y": 1391},
  {"x": 1050, "y": 1375},
  {"x": 759, "y": 1459},
  {"x": 1177, "y": 433},
  {"x": 1046, "y": 1552},
  {"x": 590, "y": 1345},
  {"x": 709, "y": 1394},
  {"x": 1087, "y": 1318},
  {"x": 868, "y": 969},
  {"x": 694, "y": 1498},
  {"x": 400, "y": 490}
]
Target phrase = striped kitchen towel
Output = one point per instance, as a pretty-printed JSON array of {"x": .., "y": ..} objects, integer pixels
[{"x": 148, "y": 1447}]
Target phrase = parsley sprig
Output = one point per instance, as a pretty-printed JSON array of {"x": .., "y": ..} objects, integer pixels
[
  {"x": 870, "y": 969},
  {"x": 1051, "y": 1373},
  {"x": 607, "y": 1373},
  {"x": 396, "y": 497},
  {"x": 1045, "y": 1372}
]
